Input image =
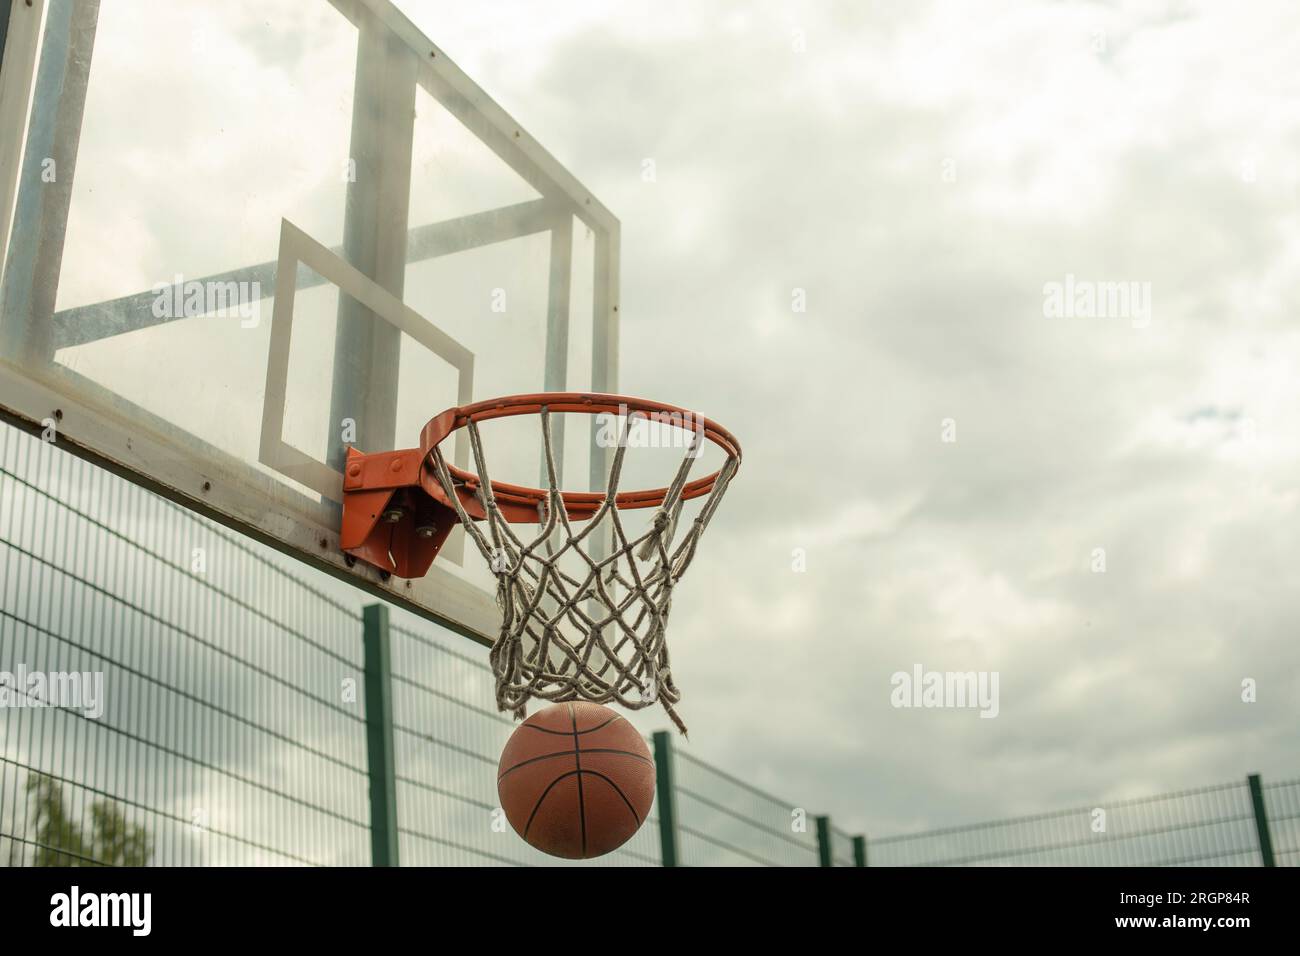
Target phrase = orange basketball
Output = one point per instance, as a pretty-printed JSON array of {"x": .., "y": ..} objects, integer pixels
[{"x": 576, "y": 780}]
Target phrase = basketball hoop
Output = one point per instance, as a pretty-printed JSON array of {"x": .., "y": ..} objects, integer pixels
[{"x": 595, "y": 633}]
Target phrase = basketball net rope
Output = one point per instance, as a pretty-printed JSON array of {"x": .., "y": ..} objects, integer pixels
[{"x": 573, "y": 638}]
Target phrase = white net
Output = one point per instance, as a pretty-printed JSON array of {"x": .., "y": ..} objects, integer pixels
[{"x": 584, "y": 604}]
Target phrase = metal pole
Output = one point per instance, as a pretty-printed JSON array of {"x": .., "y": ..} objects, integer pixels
[
  {"x": 824, "y": 857},
  {"x": 1261, "y": 820},
  {"x": 667, "y": 796},
  {"x": 5, "y": 12},
  {"x": 367, "y": 349},
  {"x": 859, "y": 851},
  {"x": 379, "y": 738},
  {"x": 40, "y": 216}
]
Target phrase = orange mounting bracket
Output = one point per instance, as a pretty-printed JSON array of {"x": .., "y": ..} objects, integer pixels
[{"x": 388, "y": 519}]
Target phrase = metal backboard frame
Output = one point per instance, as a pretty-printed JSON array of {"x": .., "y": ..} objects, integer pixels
[{"x": 48, "y": 52}]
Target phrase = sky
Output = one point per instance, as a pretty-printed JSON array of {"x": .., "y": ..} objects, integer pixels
[{"x": 841, "y": 228}]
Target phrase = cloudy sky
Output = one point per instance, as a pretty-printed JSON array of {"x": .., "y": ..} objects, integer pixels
[{"x": 956, "y": 462}]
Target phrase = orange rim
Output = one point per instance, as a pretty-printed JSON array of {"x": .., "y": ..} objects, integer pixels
[{"x": 519, "y": 502}]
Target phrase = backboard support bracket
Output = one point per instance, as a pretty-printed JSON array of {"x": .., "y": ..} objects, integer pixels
[{"x": 388, "y": 520}]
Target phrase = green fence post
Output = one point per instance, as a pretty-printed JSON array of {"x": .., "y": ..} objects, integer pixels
[
  {"x": 379, "y": 737},
  {"x": 666, "y": 789},
  {"x": 1261, "y": 820},
  {"x": 859, "y": 851},
  {"x": 824, "y": 857}
]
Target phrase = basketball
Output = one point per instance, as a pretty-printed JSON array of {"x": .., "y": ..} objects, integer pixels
[{"x": 576, "y": 780}]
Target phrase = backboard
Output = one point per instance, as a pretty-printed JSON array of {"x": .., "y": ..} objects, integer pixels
[{"x": 240, "y": 237}]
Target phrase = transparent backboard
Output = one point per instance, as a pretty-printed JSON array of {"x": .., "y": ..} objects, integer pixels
[{"x": 241, "y": 236}]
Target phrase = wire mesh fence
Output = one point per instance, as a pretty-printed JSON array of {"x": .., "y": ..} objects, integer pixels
[
  {"x": 1210, "y": 826},
  {"x": 723, "y": 821},
  {"x": 234, "y": 727},
  {"x": 842, "y": 852},
  {"x": 220, "y": 718},
  {"x": 209, "y": 727},
  {"x": 1282, "y": 810}
]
